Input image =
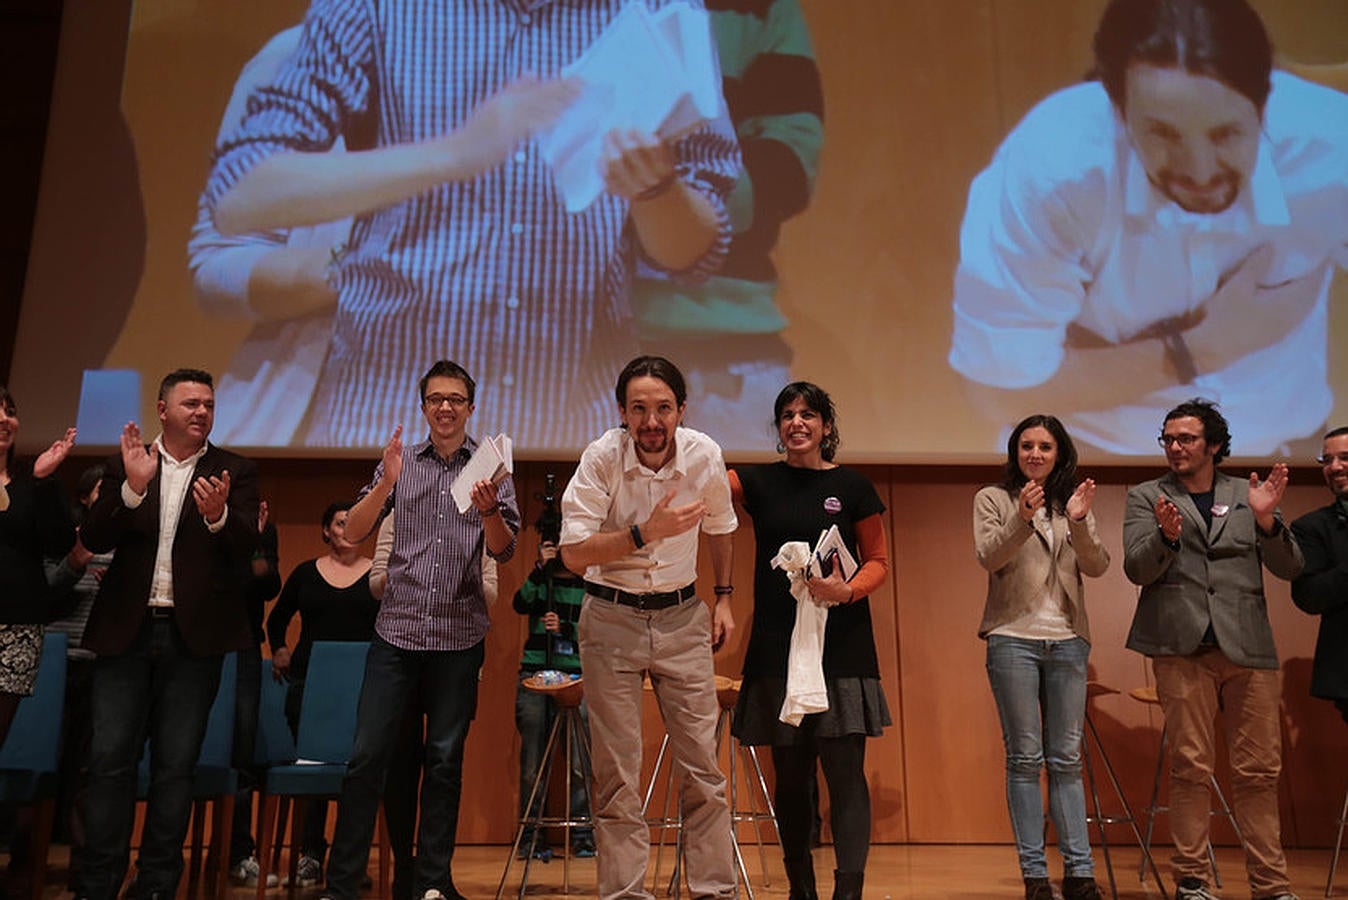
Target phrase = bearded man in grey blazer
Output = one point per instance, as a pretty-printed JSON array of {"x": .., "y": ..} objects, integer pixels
[{"x": 1194, "y": 541}]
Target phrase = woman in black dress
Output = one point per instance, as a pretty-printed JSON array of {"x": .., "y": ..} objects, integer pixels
[{"x": 795, "y": 500}]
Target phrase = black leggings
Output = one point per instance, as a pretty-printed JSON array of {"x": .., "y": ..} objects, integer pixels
[{"x": 843, "y": 761}]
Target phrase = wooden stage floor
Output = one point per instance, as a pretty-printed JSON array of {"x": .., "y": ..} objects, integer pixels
[{"x": 928, "y": 871}]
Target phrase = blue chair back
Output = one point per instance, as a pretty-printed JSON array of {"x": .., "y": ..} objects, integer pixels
[
  {"x": 331, "y": 693},
  {"x": 34, "y": 741},
  {"x": 217, "y": 748},
  {"x": 275, "y": 744}
]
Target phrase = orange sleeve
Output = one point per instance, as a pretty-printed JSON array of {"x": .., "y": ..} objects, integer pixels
[
  {"x": 736, "y": 489},
  {"x": 874, "y": 550}
]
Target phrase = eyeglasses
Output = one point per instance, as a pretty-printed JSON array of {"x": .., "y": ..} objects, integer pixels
[
  {"x": 435, "y": 401},
  {"x": 1328, "y": 459},
  {"x": 1184, "y": 440}
]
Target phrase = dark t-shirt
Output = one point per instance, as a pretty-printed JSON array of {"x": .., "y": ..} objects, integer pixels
[
  {"x": 794, "y": 504},
  {"x": 326, "y": 613}
]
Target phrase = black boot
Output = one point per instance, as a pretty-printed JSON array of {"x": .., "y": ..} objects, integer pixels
[
  {"x": 847, "y": 885},
  {"x": 1038, "y": 889},
  {"x": 800, "y": 875},
  {"x": 1077, "y": 888}
]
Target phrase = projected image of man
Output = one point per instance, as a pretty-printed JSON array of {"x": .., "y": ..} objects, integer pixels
[
  {"x": 1169, "y": 229},
  {"x": 461, "y": 244}
]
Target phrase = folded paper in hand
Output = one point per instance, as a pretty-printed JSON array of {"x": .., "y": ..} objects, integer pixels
[
  {"x": 654, "y": 72},
  {"x": 493, "y": 461},
  {"x": 831, "y": 544}
]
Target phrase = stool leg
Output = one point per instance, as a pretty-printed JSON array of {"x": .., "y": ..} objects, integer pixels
[
  {"x": 754, "y": 815},
  {"x": 1127, "y": 809},
  {"x": 1152, "y": 809},
  {"x": 1338, "y": 845},
  {"x": 539, "y": 788},
  {"x": 1099, "y": 816}
]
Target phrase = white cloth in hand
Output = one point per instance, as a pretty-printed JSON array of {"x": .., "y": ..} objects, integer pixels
[{"x": 805, "y": 689}]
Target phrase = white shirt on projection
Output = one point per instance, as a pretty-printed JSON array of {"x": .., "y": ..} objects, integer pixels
[{"x": 1064, "y": 227}]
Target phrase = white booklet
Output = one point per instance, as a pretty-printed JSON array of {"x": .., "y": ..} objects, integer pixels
[
  {"x": 831, "y": 545},
  {"x": 653, "y": 72},
  {"x": 493, "y": 460}
]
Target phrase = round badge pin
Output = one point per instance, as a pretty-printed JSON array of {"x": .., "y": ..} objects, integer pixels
[{"x": 832, "y": 506}]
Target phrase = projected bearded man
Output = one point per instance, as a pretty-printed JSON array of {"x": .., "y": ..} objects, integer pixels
[
  {"x": 1166, "y": 231},
  {"x": 460, "y": 244}
]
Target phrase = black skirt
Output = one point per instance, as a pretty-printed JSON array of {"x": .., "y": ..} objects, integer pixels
[{"x": 855, "y": 706}]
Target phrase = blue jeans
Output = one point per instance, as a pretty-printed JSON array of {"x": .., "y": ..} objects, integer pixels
[
  {"x": 534, "y": 715},
  {"x": 1040, "y": 689},
  {"x": 447, "y": 680},
  {"x": 157, "y": 688}
]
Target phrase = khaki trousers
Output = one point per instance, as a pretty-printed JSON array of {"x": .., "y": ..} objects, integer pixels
[
  {"x": 1192, "y": 690},
  {"x": 618, "y": 646}
]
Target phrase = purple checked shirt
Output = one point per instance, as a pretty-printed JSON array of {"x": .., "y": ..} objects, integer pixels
[{"x": 434, "y": 598}]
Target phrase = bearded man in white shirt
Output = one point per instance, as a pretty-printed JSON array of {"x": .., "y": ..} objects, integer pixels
[
  {"x": 631, "y": 516},
  {"x": 1168, "y": 230}
]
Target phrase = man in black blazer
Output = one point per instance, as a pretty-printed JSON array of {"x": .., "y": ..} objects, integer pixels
[
  {"x": 1322, "y": 587},
  {"x": 1196, "y": 541},
  {"x": 181, "y": 515}
]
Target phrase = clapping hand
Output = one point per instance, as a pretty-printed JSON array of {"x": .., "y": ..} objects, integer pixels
[
  {"x": 1168, "y": 518},
  {"x": 54, "y": 455},
  {"x": 1079, "y": 504},
  {"x": 1265, "y": 495},
  {"x": 211, "y": 494},
  {"x": 1031, "y": 499},
  {"x": 139, "y": 461}
]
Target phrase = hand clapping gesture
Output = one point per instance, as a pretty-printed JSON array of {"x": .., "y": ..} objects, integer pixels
[
  {"x": 393, "y": 457},
  {"x": 54, "y": 455},
  {"x": 1168, "y": 518},
  {"x": 139, "y": 461},
  {"x": 1080, "y": 502},
  {"x": 211, "y": 494},
  {"x": 1031, "y": 499},
  {"x": 1267, "y": 494}
]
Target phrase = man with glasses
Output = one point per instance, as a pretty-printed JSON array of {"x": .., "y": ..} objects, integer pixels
[
  {"x": 1193, "y": 541},
  {"x": 1322, "y": 587},
  {"x": 430, "y": 630}
]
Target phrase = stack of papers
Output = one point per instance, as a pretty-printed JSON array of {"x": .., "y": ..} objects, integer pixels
[
  {"x": 654, "y": 72},
  {"x": 831, "y": 544},
  {"x": 492, "y": 461}
]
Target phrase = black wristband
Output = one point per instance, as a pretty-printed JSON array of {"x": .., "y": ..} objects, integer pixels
[
  {"x": 636, "y": 537},
  {"x": 723, "y": 590},
  {"x": 490, "y": 511}
]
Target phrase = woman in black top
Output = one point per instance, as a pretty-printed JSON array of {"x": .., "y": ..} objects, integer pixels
[
  {"x": 34, "y": 524},
  {"x": 795, "y": 500},
  {"x": 332, "y": 596}
]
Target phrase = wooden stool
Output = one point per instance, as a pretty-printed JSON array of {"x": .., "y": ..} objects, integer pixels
[
  {"x": 1148, "y": 695},
  {"x": 567, "y": 736},
  {"x": 727, "y": 696},
  {"x": 1099, "y": 817},
  {"x": 727, "y": 693}
]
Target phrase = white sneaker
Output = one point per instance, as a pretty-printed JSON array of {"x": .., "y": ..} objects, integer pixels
[
  {"x": 245, "y": 872},
  {"x": 433, "y": 894},
  {"x": 1193, "y": 889}
]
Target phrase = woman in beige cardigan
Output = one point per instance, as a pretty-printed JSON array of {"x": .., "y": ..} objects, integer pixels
[{"x": 1035, "y": 535}]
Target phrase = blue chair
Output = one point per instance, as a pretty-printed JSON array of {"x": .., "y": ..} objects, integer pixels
[
  {"x": 327, "y": 733},
  {"x": 214, "y": 781},
  {"x": 275, "y": 745},
  {"x": 31, "y": 754}
]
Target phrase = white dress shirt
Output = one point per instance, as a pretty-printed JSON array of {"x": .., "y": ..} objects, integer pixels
[
  {"x": 1064, "y": 227},
  {"x": 612, "y": 491},
  {"x": 175, "y": 480}
]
